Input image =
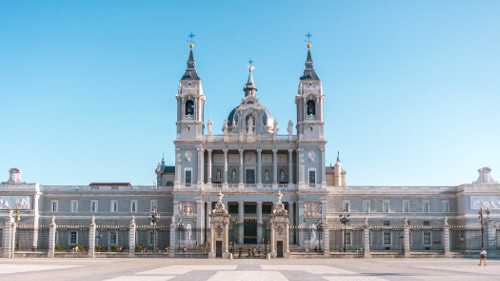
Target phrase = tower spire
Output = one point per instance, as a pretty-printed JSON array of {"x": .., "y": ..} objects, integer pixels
[
  {"x": 190, "y": 73},
  {"x": 250, "y": 88},
  {"x": 338, "y": 155},
  {"x": 309, "y": 73}
]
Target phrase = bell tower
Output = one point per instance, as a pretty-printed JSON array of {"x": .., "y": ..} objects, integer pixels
[
  {"x": 309, "y": 101},
  {"x": 190, "y": 104}
]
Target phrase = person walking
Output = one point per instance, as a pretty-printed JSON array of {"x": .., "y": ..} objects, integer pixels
[{"x": 482, "y": 258}]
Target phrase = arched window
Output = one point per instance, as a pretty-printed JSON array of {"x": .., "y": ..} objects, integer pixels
[
  {"x": 311, "y": 108},
  {"x": 189, "y": 108}
]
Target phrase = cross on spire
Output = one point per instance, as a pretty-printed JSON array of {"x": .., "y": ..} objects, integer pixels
[
  {"x": 250, "y": 65},
  {"x": 308, "y": 35},
  {"x": 191, "y": 35}
]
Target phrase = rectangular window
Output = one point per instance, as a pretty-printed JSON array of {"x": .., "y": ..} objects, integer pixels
[
  {"x": 151, "y": 238},
  {"x": 93, "y": 206},
  {"x": 386, "y": 223},
  {"x": 73, "y": 238},
  {"x": 386, "y": 207},
  {"x": 346, "y": 206},
  {"x": 114, "y": 206},
  {"x": 366, "y": 207},
  {"x": 425, "y": 206},
  {"x": 312, "y": 177},
  {"x": 133, "y": 206},
  {"x": 427, "y": 223},
  {"x": 153, "y": 205},
  {"x": 427, "y": 238},
  {"x": 406, "y": 206},
  {"x": 74, "y": 206},
  {"x": 53, "y": 206},
  {"x": 387, "y": 238},
  {"x": 347, "y": 238},
  {"x": 113, "y": 238},
  {"x": 446, "y": 206},
  {"x": 188, "y": 177}
]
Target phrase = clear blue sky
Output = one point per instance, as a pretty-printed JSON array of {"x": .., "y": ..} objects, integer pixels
[{"x": 87, "y": 88}]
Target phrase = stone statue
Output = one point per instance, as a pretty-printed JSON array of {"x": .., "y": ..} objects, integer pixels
[
  {"x": 15, "y": 176},
  {"x": 210, "y": 126},
  {"x": 290, "y": 127},
  {"x": 217, "y": 176},
  {"x": 233, "y": 175},
  {"x": 282, "y": 175},
  {"x": 224, "y": 127},
  {"x": 275, "y": 127},
  {"x": 266, "y": 174},
  {"x": 250, "y": 125},
  {"x": 187, "y": 234},
  {"x": 313, "y": 232}
]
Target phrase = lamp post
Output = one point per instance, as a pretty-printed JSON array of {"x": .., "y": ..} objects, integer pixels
[
  {"x": 319, "y": 228},
  {"x": 481, "y": 221},
  {"x": 180, "y": 227},
  {"x": 18, "y": 218},
  {"x": 154, "y": 217},
  {"x": 344, "y": 219}
]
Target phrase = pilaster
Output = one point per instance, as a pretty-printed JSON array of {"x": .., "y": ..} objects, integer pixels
[
  {"x": 92, "y": 231},
  {"x": 131, "y": 238}
]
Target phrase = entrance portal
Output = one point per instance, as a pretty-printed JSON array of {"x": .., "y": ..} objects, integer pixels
[
  {"x": 280, "y": 249},
  {"x": 250, "y": 232},
  {"x": 218, "y": 249}
]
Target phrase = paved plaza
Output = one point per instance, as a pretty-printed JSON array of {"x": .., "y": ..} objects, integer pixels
[{"x": 275, "y": 270}]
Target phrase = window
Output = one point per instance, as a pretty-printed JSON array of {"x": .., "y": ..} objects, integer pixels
[
  {"x": 347, "y": 238},
  {"x": 366, "y": 207},
  {"x": 406, "y": 206},
  {"x": 113, "y": 238},
  {"x": 386, "y": 207},
  {"x": 133, "y": 206},
  {"x": 427, "y": 238},
  {"x": 114, "y": 206},
  {"x": 74, "y": 206},
  {"x": 346, "y": 206},
  {"x": 93, "y": 206},
  {"x": 387, "y": 223},
  {"x": 188, "y": 177},
  {"x": 311, "y": 108},
  {"x": 425, "y": 206},
  {"x": 73, "y": 238},
  {"x": 427, "y": 223},
  {"x": 151, "y": 238},
  {"x": 189, "y": 108},
  {"x": 53, "y": 205},
  {"x": 312, "y": 177},
  {"x": 153, "y": 205},
  {"x": 387, "y": 238},
  {"x": 446, "y": 206}
]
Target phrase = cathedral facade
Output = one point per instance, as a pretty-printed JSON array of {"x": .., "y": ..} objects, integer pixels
[{"x": 249, "y": 162}]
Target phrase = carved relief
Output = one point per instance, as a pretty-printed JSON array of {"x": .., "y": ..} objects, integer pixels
[
  {"x": 313, "y": 209},
  {"x": 311, "y": 155},
  {"x": 485, "y": 202},
  {"x": 250, "y": 158},
  {"x": 218, "y": 158},
  {"x": 267, "y": 159},
  {"x": 188, "y": 155},
  {"x": 282, "y": 158},
  {"x": 187, "y": 208},
  {"x": 11, "y": 202},
  {"x": 233, "y": 158}
]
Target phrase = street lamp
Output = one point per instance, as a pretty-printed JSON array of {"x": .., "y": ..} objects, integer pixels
[
  {"x": 154, "y": 217},
  {"x": 344, "y": 219},
  {"x": 180, "y": 227},
  {"x": 481, "y": 221}
]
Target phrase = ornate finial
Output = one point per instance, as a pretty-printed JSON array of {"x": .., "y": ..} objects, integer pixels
[
  {"x": 92, "y": 219},
  {"x": 220, "y": 195},
  {"x": 338, "y": 155},
  {"x": 53, "y": 219},
  {"x": 132, "y": 220},
  {"x": 308, "y": 40},
  {"x": 279, "y": 196},
  {"x": 190, "y": 40},
  {"x": 250, "y": 65}
]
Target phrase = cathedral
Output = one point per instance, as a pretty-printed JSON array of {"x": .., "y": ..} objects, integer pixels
[{"x": 249, "y": 163}]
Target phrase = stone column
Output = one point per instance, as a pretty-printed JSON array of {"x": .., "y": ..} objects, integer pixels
[
  {"x": 241, "y": 185},
  {"x": 259, "y": 168},
  {"x": 275, "y": 168},
  {"x": 211, "y": 253},
  {"x": 131, "y": 238},
  {"x": 9, "y": 234},
  {"x": 323, "y": 168},
  {"x": 92, "y": 231},
  {"x": 290, "y": 167},
  {"x": 326, "y": 240},
  {"x": 52, "y": 238},
  {"x": 406, "y": 239},
  {"x": 273, "y": 242},
  {"x": 200, "y": 168},
  {"x": 224, "y": 184},
  {"x": 259, "y": 222},
  {"x": 178, "y": 169},
  {"x": 225, "y": 242},
  {"x": 199, "y": 222},
  {"x": 446, "y": 238},
  {"x": 172, "y": 238},
  {"x": 300, "y": 168},
  {"x": 36, "y": 217},
  {"x": 286, "y": 246},
  {"x": 301, "y": 223},
  {"x": 490, "y": 238},
  {"x": 366, "y": 239},
  {"x": 209, "y": 168},
  {"x": 241, "y": 209},
  {"x": 291, "y": 220}
]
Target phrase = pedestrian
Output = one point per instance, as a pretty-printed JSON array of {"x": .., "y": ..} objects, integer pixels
[
  {"x": 483, "y": 257},
  {"x": 240, "y": 250},
  {"x": 260, "y": 250}
]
